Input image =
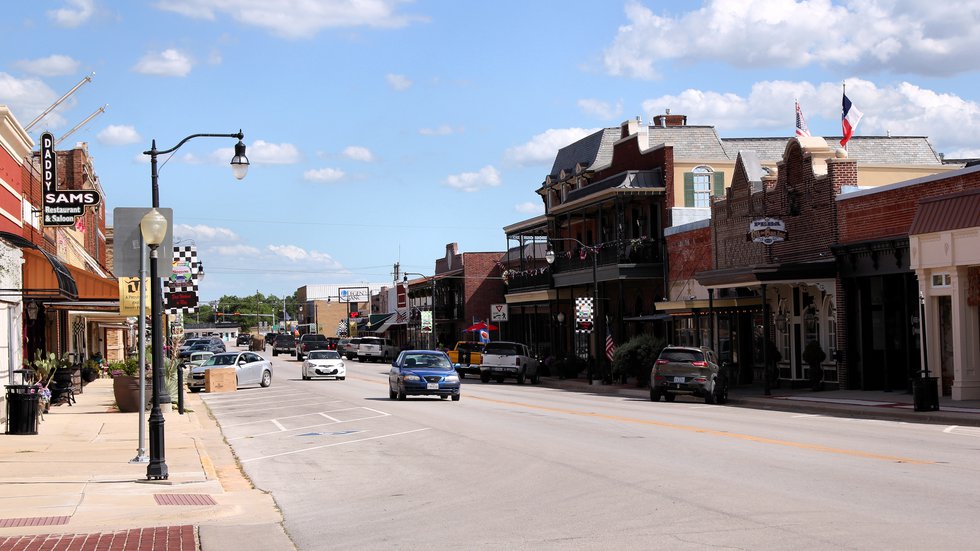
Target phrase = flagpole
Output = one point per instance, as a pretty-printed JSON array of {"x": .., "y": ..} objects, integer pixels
[{"x": 843, "y": 91}]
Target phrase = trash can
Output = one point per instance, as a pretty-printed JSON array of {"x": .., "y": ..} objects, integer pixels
[
  {"x": 925, "y": 394},
  {"x": 22, "y": 406}
]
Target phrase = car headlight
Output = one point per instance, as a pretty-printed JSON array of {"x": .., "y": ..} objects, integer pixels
[
  {"x": 411, "y": 377},
  {"x": 451, "y": 379}
]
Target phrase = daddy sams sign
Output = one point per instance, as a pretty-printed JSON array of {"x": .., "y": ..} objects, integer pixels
[
  {"x": 61, "y": 207},
  {"x": 767, "y": 231}
]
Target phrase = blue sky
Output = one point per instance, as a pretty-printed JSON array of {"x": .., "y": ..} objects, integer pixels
[{"x": 380, "y": 130}]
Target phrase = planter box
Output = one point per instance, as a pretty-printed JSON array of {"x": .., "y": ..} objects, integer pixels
[{"x": 220, "y": 380}]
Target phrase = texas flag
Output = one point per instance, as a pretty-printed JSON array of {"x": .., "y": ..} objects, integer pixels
[{"x": 850, "y": 117}]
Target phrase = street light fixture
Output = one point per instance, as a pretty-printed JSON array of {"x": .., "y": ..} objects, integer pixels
[
  {"x": 432, "y": 305},
  {"x": 549, "y": 257},
  {"x": 153, "y": 231}
]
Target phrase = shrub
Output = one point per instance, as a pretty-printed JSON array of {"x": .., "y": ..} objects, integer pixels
[{"x": 635, "y": 357}]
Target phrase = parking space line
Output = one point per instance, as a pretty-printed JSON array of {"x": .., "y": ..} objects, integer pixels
[
  {"x": 290, "y": 405},
  {"x": 380, "y": 414},
  {"x": 313, "y": 448},
  {"x": 278, "y": 424},
  {"x": 334, "y": 419},
  {"x": 307, "y": 427}
]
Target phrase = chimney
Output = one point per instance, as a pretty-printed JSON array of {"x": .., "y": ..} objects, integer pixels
[
  {"x": 629, "y": 127},
  {"x": 667, "y": 119}
]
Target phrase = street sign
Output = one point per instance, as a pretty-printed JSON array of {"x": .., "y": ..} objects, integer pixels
[
  {"x": 61, "y": 207},
  {"x": 181, "y": 299},
  {"x": 498, "y": 312},
  {"x": 126, "y": 242}
]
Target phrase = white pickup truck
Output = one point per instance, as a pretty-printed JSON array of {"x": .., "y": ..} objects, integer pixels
[
  {"x": 508, "y": 360},
  {"x": 375, "y": 349}
]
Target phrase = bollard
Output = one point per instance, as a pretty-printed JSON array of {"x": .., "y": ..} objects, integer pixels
[{"x": 180, "y": 390}]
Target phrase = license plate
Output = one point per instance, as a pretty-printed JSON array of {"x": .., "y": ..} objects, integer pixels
[
  {"x": 498, "y": 369},
  {"x": 432, "y": 386},
  {"x": 678, "y": 379}
]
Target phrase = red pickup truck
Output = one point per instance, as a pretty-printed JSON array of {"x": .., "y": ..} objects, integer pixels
[{"x": 310, "y": 342}]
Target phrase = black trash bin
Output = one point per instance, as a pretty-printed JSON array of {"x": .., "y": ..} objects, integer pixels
[
  {"x": 22, "y": 406},
  {"x": 925, "y": 394}
]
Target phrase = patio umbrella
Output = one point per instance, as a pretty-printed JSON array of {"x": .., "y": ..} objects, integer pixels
[{"x": 481, "y": 326}]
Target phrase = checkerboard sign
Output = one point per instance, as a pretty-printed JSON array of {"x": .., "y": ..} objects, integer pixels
[
  {"x": 583, "y": 315},
  {"x": 180, "y": 289}
]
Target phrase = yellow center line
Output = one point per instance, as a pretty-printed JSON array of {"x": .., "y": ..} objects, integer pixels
[{"x": 712, "y": 432}]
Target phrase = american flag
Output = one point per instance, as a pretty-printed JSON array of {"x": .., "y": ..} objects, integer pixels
[
  {"x": 801, "y": 128},
  {"x": 610, "y": 345}
]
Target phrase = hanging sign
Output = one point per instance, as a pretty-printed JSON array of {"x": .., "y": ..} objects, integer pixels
[
  {"x": 426, "y": 321},
  {"x": 767, "y": 231},
  {"x": 61, "y": 207},
  {"x": 129, "y": 296}
]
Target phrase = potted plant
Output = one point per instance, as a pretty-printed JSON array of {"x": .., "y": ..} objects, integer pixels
[
  {"x": 126, "y": 384},
  {"x": 813, "y": 356}
]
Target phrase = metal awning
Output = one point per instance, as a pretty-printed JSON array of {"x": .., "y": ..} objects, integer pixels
[
  {"x": 705, "y": 304},
  {"x": 753, "y": 276},
  {"x": 649, "y": 317}
]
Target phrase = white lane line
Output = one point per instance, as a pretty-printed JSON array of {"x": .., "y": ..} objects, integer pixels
[
  {"x": 292, "y": 404},
  {"x": 307, "y": 427},
  {"x": 278, "y": 424},
  {"x": 380, "y": 414},
  {"x": 802, "y": 415},
  {"x": 334, "y": 419},
  {"x": 237, "y": 399},
  {"x": 963, "y": 431},
  {"x": 332, "y": 445}
]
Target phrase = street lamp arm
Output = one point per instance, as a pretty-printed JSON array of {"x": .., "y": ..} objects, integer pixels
[{"x": 154, "y": 151}]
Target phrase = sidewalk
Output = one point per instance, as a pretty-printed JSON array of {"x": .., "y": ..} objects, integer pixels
[
  {"x": 72, "y": 484},
  {"x": 894, "y": 406}
]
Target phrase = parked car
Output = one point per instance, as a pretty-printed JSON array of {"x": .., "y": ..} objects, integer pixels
[
  {"x": 508, "y": 360},
  {"x": 688, "y": 370},
  {"x": 348, "y": 349},
  {"x": 424, "y": 373},
  {"x": 309, "y": 342},
  {"x": 211, "y": 344},
  {"x": 467, "y": 357},
  {"x": 197, "y": 358},
  {"x": 244, "y": 339},
  {"x": 324, "y": 363},
  {"x": 375, "y": 349},
  {"x": 284, "y": 344},
  {"x": 250, "y": 369},
  {"x": 270, "y": 338}
]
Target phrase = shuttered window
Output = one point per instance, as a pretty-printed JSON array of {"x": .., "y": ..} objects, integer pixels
[{"x": 701, "y": 184}]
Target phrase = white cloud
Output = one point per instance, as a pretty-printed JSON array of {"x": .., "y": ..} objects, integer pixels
[
  {"x": 324, "y": 175},
  {"x": 235, "y": 250},
  {"x": 359, "y": 153},
  {"x": 398, "y": 82},
  {"x": 474, "y": 181},
  {"x": 51, "y": 66},
  {"x": 904, "y": 36},
  {"x": 296, "y": 254},
  {"x": 78, "y": 13},
  {"x": 442, "y": 130},
  {"x": 28, "y": 98},
  {"x": 116, "y": 134},
  {"x": 950, "y": 122},
  {"x": 543, "y": 147},
  {"x": 530, "y": 207},
  {"x": 298, "y": 18},
  {"x": 262, "y": 152},
  {"x": 201, "y": 232},
  {"x": 601, "y": 109},
  {"x": 168, "y": 63}
]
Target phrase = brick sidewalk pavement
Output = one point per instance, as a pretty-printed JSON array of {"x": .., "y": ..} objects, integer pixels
[{"x": 163, "y": 538}]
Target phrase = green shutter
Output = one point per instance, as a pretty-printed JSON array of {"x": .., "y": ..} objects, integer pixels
[
  {"x": 688, "y": 189},
  {"x": 719, "y": 184}
]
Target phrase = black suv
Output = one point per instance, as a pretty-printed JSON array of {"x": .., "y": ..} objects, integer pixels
[
  {"x": 209, "y": 344},
  {"x": 688, "y": 370},
  {"x": 284, "y": 344},
  {"x": 244, "y": 339}
]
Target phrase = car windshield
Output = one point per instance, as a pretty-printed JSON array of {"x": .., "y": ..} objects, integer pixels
[
  {"x": 199, "y": 346},
  {"x": 678, "y": 355},
  {"x": 501, "y": 348},
  {"x": 324, "y": 355},
  {"x": 222, "y": 359},
  {"x": 191, "y": 342},
  {"x": 427, "y": 361}
]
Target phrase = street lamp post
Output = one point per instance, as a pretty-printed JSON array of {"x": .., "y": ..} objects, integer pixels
[
  {"x": 432, "y": 304},
  {"x": 549, "y": 256},
  {"x": 153, "y": 234}
]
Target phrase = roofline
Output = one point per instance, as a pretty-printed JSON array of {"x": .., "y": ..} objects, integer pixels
[{"x": 908, "y": 183}]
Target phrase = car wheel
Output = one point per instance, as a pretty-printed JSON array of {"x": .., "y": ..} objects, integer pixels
[
  {"x": 722, "y": 396},
  {"x": 305, "y": 378},
  {"x": 341, "y": 378},
  {"x": 484, "y": 377},
  {"x": 392, "y": 394},
  {"x": 443, "y": 396},
  {"x": 274, "y": 353},
  {"x": 401, "y": 394},
  {"x": 195, "y": 390},
  {"x": 500, "y": 379},
  {"x": 709, "y": 397},
  {"x": 535, "y": 379},
  {"x": 521, "y": 377},
  {"x": 669, "y": 397},
  {"x": 655, "y": 395},
  {"x": 461, "y": 375},
  {"x": 455, "y": 397},
  {"x": 266, "y": 379},
  {"x": 360, "y": 359}
]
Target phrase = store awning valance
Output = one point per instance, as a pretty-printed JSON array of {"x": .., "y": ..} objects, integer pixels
[{"x": 45, "y": 276}]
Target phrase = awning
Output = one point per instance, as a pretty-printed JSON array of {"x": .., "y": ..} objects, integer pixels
[
  {"x": 375, "y": 321},
  {"x": 704, "y": 304},
  {"x": 753, "y": 276},
  {"x": 45, "y": 276},
  {"x": 649, "y": 317}
]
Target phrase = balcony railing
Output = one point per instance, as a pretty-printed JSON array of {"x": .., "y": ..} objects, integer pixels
[
  {"x": 629, "y": 251},
  {"x": 521, "y": 281}
]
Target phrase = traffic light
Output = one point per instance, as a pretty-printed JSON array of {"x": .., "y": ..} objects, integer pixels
[{"x": 354, "y": 314}]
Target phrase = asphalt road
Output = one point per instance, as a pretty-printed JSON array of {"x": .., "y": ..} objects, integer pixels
[{"x": 529, "y": 467}]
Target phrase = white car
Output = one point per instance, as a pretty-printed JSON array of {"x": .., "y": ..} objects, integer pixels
[
  {"x": 250, "y": 369},
  {"x": 324, "y": 363}
]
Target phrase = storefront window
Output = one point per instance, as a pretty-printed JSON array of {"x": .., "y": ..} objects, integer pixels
[
  {"x": 831, "y": 330},
  {"x": 811, "y": 325}
]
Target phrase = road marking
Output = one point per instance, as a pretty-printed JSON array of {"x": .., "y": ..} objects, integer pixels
[
  {"x": 305, "y": 427},
  {"x": 334, "y": 419},
  {"x": 712, "y": 432},
  {"x": 278, "y": 424},
  {"x": 963, "y": 431},
  {"x": 323, "y": 413},
  {"x": 291, "y": 452},
  {"x": 291, "y": 404}
]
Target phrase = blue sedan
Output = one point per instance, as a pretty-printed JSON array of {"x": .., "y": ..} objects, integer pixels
[{"x": 423, "y": 373}]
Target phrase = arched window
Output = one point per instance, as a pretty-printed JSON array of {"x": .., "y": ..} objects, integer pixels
[{"x": 702, "y": 186}]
